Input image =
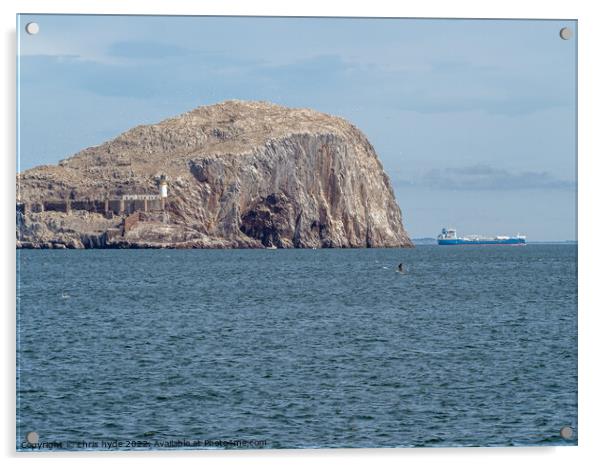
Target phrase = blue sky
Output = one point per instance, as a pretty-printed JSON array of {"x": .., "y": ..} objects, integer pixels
[{"x": 474, "y": 120}]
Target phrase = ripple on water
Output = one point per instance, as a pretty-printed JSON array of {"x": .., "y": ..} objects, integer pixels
[{"x": 469, "y": 347}]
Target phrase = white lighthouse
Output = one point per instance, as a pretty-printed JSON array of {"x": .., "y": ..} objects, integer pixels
[{"x": 163, "y": 187}]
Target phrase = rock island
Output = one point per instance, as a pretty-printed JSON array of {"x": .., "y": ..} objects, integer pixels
[{"x": 232, "y": 175}]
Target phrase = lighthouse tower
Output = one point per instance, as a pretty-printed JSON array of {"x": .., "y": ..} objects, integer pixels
[
  {"x": 163, "y": 187},
  {"x": 163, "y": 190}
]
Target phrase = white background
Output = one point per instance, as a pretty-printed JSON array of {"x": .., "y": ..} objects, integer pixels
[{"x": 590, "y": 274}]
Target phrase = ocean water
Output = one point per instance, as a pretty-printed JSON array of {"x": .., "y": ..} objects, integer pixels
[{"x": 151, "y": 349}]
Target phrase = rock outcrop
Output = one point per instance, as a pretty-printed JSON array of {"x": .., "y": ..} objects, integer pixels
[{"x": 240, "y": 174}]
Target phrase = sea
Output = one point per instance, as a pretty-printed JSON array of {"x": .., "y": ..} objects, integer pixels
[{"x": 328, "y": 348}]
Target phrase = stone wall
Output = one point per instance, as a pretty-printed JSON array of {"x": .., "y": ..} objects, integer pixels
[
  {"x": 108, "y": 206},
  {"x": 90, "y": 206}
]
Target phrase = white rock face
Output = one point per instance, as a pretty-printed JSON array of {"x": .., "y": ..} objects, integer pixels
[{"x": 240, "y": 174}]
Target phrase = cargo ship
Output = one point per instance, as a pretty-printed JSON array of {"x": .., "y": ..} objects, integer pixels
[{"x": 449, "y": 237}]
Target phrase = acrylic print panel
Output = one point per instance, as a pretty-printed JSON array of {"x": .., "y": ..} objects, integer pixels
[{"x": 242, "y": 232}]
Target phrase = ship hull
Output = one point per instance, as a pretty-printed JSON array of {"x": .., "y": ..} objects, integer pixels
[{"x": 476, "y": 242}]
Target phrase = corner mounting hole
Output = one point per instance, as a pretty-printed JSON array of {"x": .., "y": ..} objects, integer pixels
[
  {"x": 32, "y": 28},
  {"x": 566, "y": 33},
  {"x": 567, "y": 432}
]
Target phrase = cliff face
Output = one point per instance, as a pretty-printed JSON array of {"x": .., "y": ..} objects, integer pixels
[{"x": 240, "y": 174}]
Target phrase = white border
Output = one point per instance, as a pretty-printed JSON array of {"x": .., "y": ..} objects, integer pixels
[{"x": 590, "y": 152}]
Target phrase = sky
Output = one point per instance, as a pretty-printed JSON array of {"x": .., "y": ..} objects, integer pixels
[{"x": 474, "y": 120}]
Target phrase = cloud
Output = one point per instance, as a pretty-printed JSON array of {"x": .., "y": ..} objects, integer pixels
[
  {"x": 141, "y": 69},
  {"x": 440, "y": 86},
  {"x": 143, "y": 80},
  {"x": 487, "y": 178},
  {"x": 321, "y": 72},
  {"x": 146, "y": 50},
  {"x": 73, "y": 72}
]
